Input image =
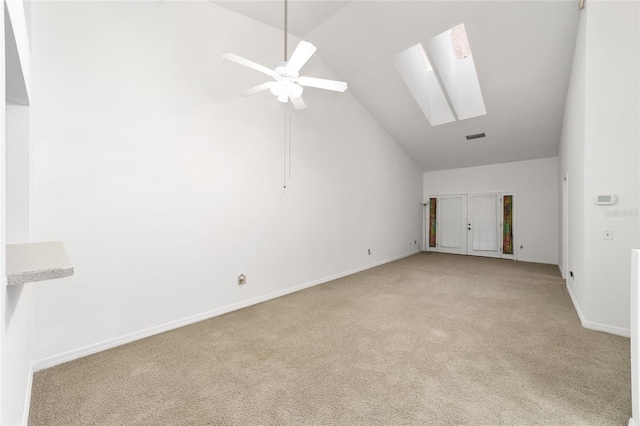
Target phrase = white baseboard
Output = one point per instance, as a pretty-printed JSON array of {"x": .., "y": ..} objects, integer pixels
[
  {"x": 534, "y": 260},
  {"x": 632, "y": 422},
  {"x": 27, "y": 397},
  {"x": 128, "y": 338},
  {"x": 562, "y": 274},
  {"x": 591, "y": 325}
]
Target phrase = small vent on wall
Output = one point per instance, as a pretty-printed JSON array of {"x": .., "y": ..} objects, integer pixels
[{"x": 476, "y": 136}]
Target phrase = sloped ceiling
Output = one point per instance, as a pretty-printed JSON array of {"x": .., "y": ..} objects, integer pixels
[{"x": 522, "y": 51}]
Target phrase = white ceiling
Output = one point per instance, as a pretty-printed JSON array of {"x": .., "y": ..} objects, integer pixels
[{"x": 522, "y": 51}]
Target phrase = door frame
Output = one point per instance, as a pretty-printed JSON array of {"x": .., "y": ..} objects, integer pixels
[{"x": 501, "y": 194}]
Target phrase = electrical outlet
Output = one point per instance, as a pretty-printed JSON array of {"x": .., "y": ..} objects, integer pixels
[
  {"x": 242, "y": 279},
  {"x": 369, "y": 251}
]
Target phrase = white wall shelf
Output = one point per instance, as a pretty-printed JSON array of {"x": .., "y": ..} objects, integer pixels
[{"x": 32, "y": 262}]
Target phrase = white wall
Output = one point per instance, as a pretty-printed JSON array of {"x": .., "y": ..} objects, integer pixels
[
  {"x": 571, "y": 164},
  {"x": 612, "y": 140},
  {"x": 535, "y": 184},
  {"x": 15, "y": 301},
  {"x": 18, "y": 299},
  {"x": 3, "y": 209},
  {"x": 165, "y": 185},
  {"x": 17, "y": 55},
  {"x": 16, "y": 353},
  {"x": 602, "y": 126},
  {"x": 635, "y": 343},
  {"x": 18, "y": 155}
]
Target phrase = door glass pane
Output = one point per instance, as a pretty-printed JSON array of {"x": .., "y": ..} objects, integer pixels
[
  {"x": 484, "y": 226},
  {"x": 507, "y": 225},
  {"x": 450, "y": 219},
  {"x": 433, "y": 205}
]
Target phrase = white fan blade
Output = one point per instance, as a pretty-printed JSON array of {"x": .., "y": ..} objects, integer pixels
[
  {"x": 321, "y": 83},
  {"x": 300, "y": 57},
  {"x": 247, "y": 63},
  {"x": 297, "y": 102},
  {"x": 257, "y": 89}
]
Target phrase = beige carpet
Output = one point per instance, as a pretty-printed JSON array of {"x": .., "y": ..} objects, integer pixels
[{"x": 432, "y": 339}]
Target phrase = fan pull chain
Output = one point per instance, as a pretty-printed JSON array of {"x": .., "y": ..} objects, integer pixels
[
  {"x": 287, "y": 118},
  {"x": 287, "y": 148},
  {"x": 289, "y": 145}
]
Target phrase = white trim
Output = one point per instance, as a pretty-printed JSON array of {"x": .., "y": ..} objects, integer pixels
[
  {"x": 27, "y": 398},
  {"x": 633, "y": 310},
  {"x": 632, "y": 423},
  {"x": 612, "y": 329},
  {"x": 71, "y": 355},
  {"x": 564, "y": 221},
  {"x": 532, "y": 260}
]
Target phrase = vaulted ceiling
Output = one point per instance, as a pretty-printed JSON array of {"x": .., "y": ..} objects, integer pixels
[{"x": 522, "y": 52}]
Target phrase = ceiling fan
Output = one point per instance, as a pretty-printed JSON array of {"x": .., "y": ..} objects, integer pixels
[{"x": 287, "y": 82}]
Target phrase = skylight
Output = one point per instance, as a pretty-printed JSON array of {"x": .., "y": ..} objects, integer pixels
[
  {"x": 459, "y": 42},
  {"x": 417, "y": 72},
  {"x": 427, "y": 64},
  {"x": 442, "y": 77}
]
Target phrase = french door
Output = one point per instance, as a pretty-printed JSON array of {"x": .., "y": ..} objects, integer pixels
[
  {"x": 473, "y": 224},
  {"x": 452, "y": 213},
  {"x": 483, "y": 225}
]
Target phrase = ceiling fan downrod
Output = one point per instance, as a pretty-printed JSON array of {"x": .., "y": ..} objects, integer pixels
[{"x": 286, "y": 29}]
